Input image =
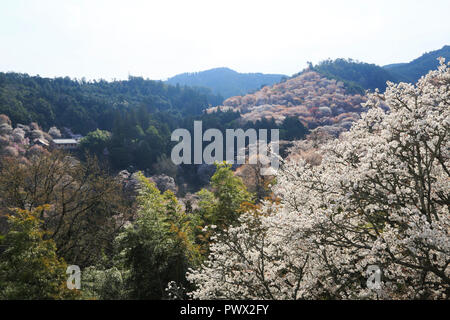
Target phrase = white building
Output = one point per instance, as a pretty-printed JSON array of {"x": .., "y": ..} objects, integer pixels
[{"x": 66, "y": 144}]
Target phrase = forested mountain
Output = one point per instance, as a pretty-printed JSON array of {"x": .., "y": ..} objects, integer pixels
[
  {"x": 356, "y": 76},
  {"x": 85, "y": 106},
  {"x": 226, "y": 82},
  {"x": 412, "y": 71},
  {"x": 359, "y": 76},
  {"x": 126, "y": 124},
  {"x": 309, "y": 97},
  {"x": 135, "y": 117}
]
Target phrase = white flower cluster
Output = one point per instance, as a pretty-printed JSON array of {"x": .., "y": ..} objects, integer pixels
[{"x": 379, "y": 197}]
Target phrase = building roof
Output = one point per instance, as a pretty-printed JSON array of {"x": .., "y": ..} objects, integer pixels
[
  {"x": 65, "y": 141},
  {"x": 41, "y": 141}
]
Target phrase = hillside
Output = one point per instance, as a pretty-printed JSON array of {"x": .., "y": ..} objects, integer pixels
[
  {"x": 356, "y": 76},
  {"x": 359, "y": 76},
  {"x": 312, "y": 98},
  {"x": 226, "y": 82},
  {"x": 412, "y": 71},
  {"x": 86, "y": 106}
]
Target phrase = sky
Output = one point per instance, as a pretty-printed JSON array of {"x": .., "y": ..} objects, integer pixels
[{"x": 110, "y": 39}]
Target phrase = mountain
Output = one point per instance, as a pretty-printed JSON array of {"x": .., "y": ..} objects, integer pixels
[
  {"x": 356, "y": 76},
  {"x": 86, "y": 106},
  {"x": 359, "y": 76},
  {"x": 412, "y": 71},
  {"x": 327, "y": 95},
  {"x": 393, "y": 65},
  {"x": 225, "y": 81},
  {"x": 310, "y": 97}
]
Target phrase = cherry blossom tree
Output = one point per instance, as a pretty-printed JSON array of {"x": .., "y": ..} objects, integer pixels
[{"x": 380, "y": 197}]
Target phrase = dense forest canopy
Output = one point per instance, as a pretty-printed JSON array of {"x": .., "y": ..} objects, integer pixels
[
  {"x": 85, "y": 106},
  {"x": 356, "y": 76},
  {"x": 359, "y": 76}
]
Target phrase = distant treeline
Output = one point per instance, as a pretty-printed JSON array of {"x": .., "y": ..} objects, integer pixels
[
  {"x": 85, "y": 106},
  {"x": 359, "y": 76}
]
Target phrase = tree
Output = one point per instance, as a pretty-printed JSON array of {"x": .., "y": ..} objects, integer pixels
[
  {"x": 54, "y": 133},
  {"x": 96, "y": 142},
  {"x": 292, "y": 129},
  {"x": 30, "y": 267},
  {"x": 254, "y": 180},
  {"x": 223, "y": 203},
  {"x": 88, "y": 206},
  {"x": 158, "y": 248},
  {"x": 379, "y": 197},
  {"x": 105, "y": 283},
  {"x": 221, "y": 207}
]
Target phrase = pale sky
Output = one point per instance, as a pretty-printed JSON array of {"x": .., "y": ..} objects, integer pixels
[{"x": 158, "y": 39}]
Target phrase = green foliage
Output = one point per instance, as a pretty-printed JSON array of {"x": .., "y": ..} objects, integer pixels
[
  {"x": 132, "y": 120},
  {"x": 230, "y": 192},
  {"x": 85, "y": 106},
  {"x": 221, "y": 207},
  {"x": 357, "y": 76},
  {"x": 95, "y": 142},
  {"x": 139, "y": 138},
  {"x": 207, "y": 207},
  {"x": 88, "y": 206},
  {"x": 29, "y": 267},
  {"x": 292, "y": 129},
  {"x": 104, "y": 284},
  {"x": 159, "y": 247}
]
